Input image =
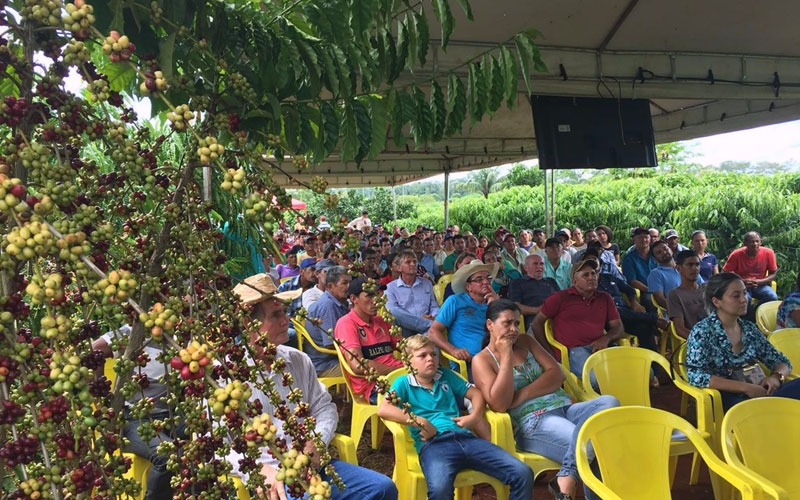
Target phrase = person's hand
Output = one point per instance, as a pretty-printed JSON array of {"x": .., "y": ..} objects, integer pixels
[
  {"x": 491, "y": 296},
  {"x": 426, "y": 429},
  {"x": 276, "y": 489},
  {"x": 504, "y": 348},
  {"x": 771, "y": 384},
  {"x": 471, "y": 421},
  {"x": 460, "y": 353},
  {"x": 750, "y": 283},
  {"x": 637, "y": 307},
  {"x": 310, "y": 449},
  {"x": 428, "y": 316},
  {"x": 600, "y": 343},
  {"x": 755, "y": 391}
]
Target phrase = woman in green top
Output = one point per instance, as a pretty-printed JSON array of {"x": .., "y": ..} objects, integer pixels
[{"x": 515, "y": 374}]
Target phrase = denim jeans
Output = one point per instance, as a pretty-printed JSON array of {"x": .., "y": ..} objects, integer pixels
[
  {"x": 410, "y": 324},
  {"x": 790, "y": 389},
  {"x": 762, "y": 293},
  {"x": 361, "y": 483},
  {"x": 158, "y": 478},
  {"x": 554, "y": 434},
  {"x": 444, "y": 456},
  {"x": 577, "y": 358}
]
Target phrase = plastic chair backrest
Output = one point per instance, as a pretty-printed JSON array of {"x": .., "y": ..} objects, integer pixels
[
  {"x": 551, "y": 339},
  {"x": 767, "y": 316},
  {"x": 346, "y": 368},
  {"x": 759, "y": 438},
  {"x": 640, "y": 435},
  {"x": 623, "y": 372},
  {"x": 304, "y": 336},
  {"x": 787, "y": 340}
]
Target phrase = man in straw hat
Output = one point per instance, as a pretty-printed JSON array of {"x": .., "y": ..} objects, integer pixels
[
  {"x": 458, "y": 328},
  {"x": 269, "y": 308},
  {"x": 584, "y": 318}
]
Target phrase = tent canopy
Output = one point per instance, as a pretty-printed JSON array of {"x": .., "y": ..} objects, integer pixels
[{"x": 706, "y": 68}]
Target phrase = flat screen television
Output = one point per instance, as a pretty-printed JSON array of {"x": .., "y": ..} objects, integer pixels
[{"x": 586, "y": 132}]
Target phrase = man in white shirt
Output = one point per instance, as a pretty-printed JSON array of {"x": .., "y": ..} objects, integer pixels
[
  {"x": 270, "y": 311},
  {"x": 360, "y": 222}
]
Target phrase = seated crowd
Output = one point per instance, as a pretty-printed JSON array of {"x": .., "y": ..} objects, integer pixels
[{"x": 501, "y": 294}]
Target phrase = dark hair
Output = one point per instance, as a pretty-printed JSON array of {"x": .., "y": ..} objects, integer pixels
[
  {"x": 594, "y": 244},
  {"x": 592, "y": 250},
  {"x": 493, "y": 311},
  {"x": 458, "y": 237},
  {"x": 695, "y": 233},
  {"x": 681, "y": 256},
  {"x": 605, "y": 229},
  {"x": 552, "y": 242},
  {"x": 657, "y": 242},
  {"x": 716, "y": 287}
]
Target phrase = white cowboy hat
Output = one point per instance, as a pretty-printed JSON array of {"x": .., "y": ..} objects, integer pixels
[
  {"x": 461, "y": 276},
  {"x": 261, "y": 287}
]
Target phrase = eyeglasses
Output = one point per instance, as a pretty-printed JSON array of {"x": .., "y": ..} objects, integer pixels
[{"x": 479, "y": 279}]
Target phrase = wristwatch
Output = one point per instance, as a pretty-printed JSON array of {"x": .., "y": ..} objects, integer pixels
[{"x": 781, "y": 376}]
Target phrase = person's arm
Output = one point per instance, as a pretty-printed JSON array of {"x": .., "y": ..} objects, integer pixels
[
  {"x": 388, "y": 411},
  {"x": 551, "y": 378},
  {"x": 655, "y": 284},
  {"x": 629, "y": 271},
  {"x": 475, "y": 421},
  {"x": 675, "y": 314},
  {"x": 439, "y": 337},
  {"x": 795, "y": 315},
  {"x": 680, "y": 326},
  {"x": 353, "y": 354},
  {"x": 660, "y": 299},
  {"x": 614, "y": 332},
  {"x": 433, "y": 306},
  {"x": 320, "y": 404},
  {"x": 768, "y": 279}
]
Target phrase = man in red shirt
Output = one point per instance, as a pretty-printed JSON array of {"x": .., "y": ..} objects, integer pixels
[
  {"x": 580, "y": 315},
  {"x": 365, "y": 338},
  {"x": 756, "y": 266}
]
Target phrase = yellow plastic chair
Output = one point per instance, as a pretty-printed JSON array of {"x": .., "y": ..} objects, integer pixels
[
  {"x": 787, "y": 340},
  {"x": 664, "y": 337},
  {"x": 626, "y": 340},
  {"x": 759, "y": 437},
  {"x": 344, "y": 445},
  {"x": 302, "y": 337},
  {"x": 407, "y": 474},
  {"x": 641, "y": 435},
  {"x": 363, "y": 410},
  {"x": 767, "y": 316},
  {"x": 445, "y": 358},
  {"x": 624, "y": 372},
  {"x": 439, "y": 287}
]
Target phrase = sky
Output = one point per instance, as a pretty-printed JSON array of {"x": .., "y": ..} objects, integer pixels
[{"x": 773, "y": 143}]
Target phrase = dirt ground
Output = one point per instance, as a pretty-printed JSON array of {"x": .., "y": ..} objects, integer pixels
[{"x": 666, "y": 397}]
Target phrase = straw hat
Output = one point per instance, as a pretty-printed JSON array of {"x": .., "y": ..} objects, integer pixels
[
  {"x": 261, "y": 287},
  {"x": 461, "y": 276}
]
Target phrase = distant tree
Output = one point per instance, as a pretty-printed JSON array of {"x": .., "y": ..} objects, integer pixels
[
  {"x": 486, "y": 181},
  {"x": 520, "y": 175},
  {"x": 380, "y": 207}
]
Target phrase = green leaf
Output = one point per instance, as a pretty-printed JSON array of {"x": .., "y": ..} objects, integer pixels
[
  {"x": 166, "y": 49},
  {"x": 402, "y": 45},
  {"x": 120, "y": 76},
  {"x": 413, "y": 39},
  {"x": 422, "y": 126},
  {"x": 330, "y": 74},
  {"x": 438, "y": 110},
  {"x": 364, "y": 128},
  {"x": 529, "y": 36},
  {"x": 456, "y": 104},
  {"x": 478, "y": 92},
  {"x": 347, "y": 84},
  {"x": 291, "y": 126},
  {"x": 511, "y": 72},
  {"x": 308, "y": 139},
  {"x": 330, "y": 126},
  {"x": 379, "y": 120},
  {"x": 309, "y": 58},
  {"x": 397, "y": 100},
  {"x": 497, "y": 85},
  {"x": 466, "y": 8},
  {"x": 361, "y": 18},
  {"x": 441, "y": 9},
  {"x": 349, "y": 130},
  {"x": 524, "y": 55},
  {"x": 423, "y": 36},
  {"x": 393, "y": 69}
]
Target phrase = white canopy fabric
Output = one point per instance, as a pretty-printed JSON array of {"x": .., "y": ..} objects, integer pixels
[{"x": 706, "y": 67}]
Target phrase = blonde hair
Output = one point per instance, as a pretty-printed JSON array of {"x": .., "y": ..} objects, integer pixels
[{"x": 416, "y": 342}]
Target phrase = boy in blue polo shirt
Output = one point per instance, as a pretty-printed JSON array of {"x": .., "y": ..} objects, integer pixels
[{"x": 442, "y": 437}]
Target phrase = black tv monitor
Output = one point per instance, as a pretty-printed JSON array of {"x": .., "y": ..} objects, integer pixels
[{"x": 586, "y": 132}]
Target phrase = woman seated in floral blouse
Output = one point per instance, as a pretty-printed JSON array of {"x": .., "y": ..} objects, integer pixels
[
  {"x": 724, "y": 351},
  {"x": 789, "y": 310}
]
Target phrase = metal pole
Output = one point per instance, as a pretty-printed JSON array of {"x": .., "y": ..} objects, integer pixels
[
  {"x": 446, "y": 198},
  {"x": 394, "y": 203}
]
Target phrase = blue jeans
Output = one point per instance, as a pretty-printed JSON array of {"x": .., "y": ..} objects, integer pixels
[
  {"x": 790, "y": 389},
  {"x": 158, "y": 478},
  {"x": 410, "y": 324},
  {"x": 762, "y": 293},
  {"x": 577, "y": 358},
  {"x": 554, "y": 434},
  {"x": 444, "y": 456},
  {"x": 361, "y": 483}
]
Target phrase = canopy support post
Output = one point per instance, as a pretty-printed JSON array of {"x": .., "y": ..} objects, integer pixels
[{"x": 447, "y": 195}]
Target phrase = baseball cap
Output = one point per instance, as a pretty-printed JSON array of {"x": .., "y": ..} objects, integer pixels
[
  {"x": 324, "y": 264},
  {"x": 639, "y": 230},
  {"x": 359, "y": 285},
  {"x": 561, "y": 232},
  {"x": 670, "y": 233},
  {"x": 307, "y": 262},
  {"x": 580, "y": 265}
]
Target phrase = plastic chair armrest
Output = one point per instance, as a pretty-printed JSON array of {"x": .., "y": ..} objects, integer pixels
[
  {"x": 462, "y": 365},
  {"x": 346, "y": 448}
]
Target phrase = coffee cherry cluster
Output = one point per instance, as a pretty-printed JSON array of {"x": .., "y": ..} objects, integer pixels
[
  {"x": 28, "y": 241},
  {"x": 153, "y": 82},
  {"x": 12, "y": 110},
  {"x": 159, "y": 320},
  {"x": 118, "y": 47},
  {"x": 46, "y": 288},
  {"x": 191, "y": 361},
  {"x": 318, "y": 489},
  {"x": 229, "y": 398},
  {"x": 67, "y": 375},
  {"x": 330, "y": 201},
  {"x": 300, "y": 162},
  {"x": 255, "y": 206},
  {"x": 156, "y": 12},
  {"x": 293, "y": 463},
  {"x": 47, "y": 12},
  {"x": 20, "y": 451},
  {"x": 208, "y": 150},
  {"x": 99, "y": 91},
  {"x": 76, "y": 53},
  {"x": 180, "y": 117},
  {"x": 79, "y": 17},
  {"x": 32, "y": 488},
  {"x": 116, "y": 286},
  {"x": 12, "y": 192},
  {"x": 232, "y": 180},
  {"x": 319, "y": 184},
  {"x": 242, "y": 87},
  {"x": 261, "y": 430}
]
